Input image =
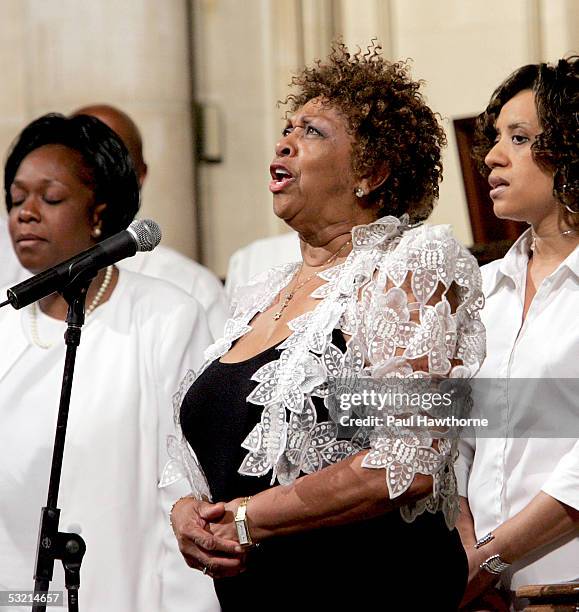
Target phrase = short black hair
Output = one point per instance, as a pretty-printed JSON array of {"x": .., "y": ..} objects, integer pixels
[
  {"x": 556, "y": 91},
  {"x": 104, "y": 154}
]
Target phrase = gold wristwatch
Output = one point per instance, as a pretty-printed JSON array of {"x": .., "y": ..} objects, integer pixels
[{"x": 241, "y": 525}]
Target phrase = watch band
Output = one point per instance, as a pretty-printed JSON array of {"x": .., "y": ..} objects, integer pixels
[
  {"x": 241, "y": 525},
  {"x": 495, "y": 565}
]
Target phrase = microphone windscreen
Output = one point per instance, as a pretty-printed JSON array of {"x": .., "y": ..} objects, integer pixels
[{"x": 146, "y": 232}]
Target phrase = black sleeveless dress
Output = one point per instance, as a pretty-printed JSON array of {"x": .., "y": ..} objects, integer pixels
[{"x": 382, "y": 563}]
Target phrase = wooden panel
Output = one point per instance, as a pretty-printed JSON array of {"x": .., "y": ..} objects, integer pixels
[{"x": 551, "y": 597}]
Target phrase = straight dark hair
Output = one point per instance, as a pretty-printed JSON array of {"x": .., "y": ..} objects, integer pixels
[{"x": 114, "y": 180}]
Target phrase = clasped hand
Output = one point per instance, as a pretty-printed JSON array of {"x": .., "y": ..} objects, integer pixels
[{"x": 207, "y": 537}]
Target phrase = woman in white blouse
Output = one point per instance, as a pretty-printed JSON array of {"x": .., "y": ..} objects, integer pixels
[
  {"x": 520, "y": 504},
  {"x": 70, "y": 183}
]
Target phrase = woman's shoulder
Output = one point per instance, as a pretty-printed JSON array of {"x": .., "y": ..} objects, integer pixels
[
  {"x": 159, "y": 313},
  {"x": 428, "y": 257},
  {"x": 145, "y": 285},
  {"x": 393, "y": 237},
  {"x": 433, "y": 237},
  {"x": 148, "y": 295},
  {"x": 435, "y": 246}
]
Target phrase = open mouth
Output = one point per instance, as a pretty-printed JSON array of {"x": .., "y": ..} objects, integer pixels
[
  {"x": 281, "y": 178},
  {"x": 498, "y": 186}
]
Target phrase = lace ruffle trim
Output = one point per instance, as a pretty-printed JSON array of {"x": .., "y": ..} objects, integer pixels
[{"x": 363, "y": 297}]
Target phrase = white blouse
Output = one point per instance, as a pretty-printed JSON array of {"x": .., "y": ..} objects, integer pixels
[
  {"x": 501, "y": 475},
  {"x": 193, "y": 278},
  {"x": 133, "y": 351},
  {"x": 391, "y": 329}
]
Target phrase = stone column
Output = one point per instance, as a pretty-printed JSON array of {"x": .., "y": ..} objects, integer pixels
[{"x": 59, "y": 55}]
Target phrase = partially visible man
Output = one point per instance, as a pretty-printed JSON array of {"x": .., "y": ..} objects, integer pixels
[
  {"x": 260, "y": 255},
  {"x": 164, "y": 262}
]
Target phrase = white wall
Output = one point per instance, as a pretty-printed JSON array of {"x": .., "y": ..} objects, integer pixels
[
  {"x": 60, "y": 54},
  {"x": 462, "y": 48}
]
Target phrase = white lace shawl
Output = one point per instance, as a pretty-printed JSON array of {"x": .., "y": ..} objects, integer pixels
[{"x": 363, "y": 298}]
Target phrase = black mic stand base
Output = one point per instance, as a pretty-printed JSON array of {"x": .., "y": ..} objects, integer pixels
[{"x": 70, "y": 549}]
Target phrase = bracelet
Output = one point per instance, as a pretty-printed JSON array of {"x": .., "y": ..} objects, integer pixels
[
  {"x": 241, "y": 525},
  {"x": 173, "y": 507},
  {"x": 495, "y": 565},
  {"x": 489, "y": 537}
]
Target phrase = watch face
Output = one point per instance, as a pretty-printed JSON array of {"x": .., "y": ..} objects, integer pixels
[{"x": 242, "y": 534}]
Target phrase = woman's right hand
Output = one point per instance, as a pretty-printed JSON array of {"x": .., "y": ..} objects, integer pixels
[{"x": 215, "y": 556}]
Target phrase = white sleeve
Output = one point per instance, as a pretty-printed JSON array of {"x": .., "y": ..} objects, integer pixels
[
  {"x": 180, "y": 347},
  {"x": 463, "y": 464},
  {"x": 563, "y": 483}
]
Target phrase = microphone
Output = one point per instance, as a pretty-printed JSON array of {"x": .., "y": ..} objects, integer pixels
[{"x": 141, "y": 235}]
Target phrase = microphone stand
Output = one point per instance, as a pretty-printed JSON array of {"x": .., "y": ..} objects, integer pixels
[{"x": 52, "y": 543}]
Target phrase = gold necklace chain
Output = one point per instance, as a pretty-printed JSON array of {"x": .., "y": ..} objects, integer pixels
[
  {"x": 290, "y": 295},
  {"x": 94, "y": 303}
]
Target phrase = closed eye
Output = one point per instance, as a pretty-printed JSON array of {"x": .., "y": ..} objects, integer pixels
[{"x": 17, "y": 196}]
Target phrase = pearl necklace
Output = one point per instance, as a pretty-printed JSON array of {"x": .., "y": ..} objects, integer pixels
[
  {"x": 94, "y": 303},
  {"x": 290, "y": 294},
  {"x": 102, "y": 289}
]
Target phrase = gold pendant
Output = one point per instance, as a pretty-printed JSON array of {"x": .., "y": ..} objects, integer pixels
[{"x": 287, "y": 300}]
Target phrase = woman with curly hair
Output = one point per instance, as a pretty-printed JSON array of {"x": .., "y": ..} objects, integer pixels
[
  {"x": 321, "y": 500},
  {"x": 523, "y": 492}
]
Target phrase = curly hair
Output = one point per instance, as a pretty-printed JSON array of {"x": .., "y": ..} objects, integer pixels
[
  {"x": 105, "y": 156},
  {"x": 390, "y": 123},
  {"x": 556, "y": 148}
]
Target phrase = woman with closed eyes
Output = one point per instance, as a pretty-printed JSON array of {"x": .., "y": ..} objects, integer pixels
[{"x": 69, "y": 183}]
